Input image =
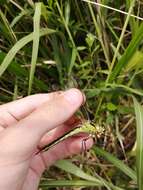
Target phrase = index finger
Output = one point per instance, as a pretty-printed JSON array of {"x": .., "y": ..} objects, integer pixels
[
  {"x": 48, "y": 116},
  {"x": 21, "y": 108}
]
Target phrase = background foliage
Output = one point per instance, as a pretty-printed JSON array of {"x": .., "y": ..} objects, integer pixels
[{"x": 58, "y": 44}]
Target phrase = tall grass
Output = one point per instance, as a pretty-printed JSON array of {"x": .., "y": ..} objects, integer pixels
[{"x": 97, "y": 47}]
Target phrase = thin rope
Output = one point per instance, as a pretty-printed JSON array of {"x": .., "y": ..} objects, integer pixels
[{"x": 111, "y": 8}]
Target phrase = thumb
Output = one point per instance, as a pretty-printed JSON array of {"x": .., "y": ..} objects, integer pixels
[{"x": 24, "y": 137}]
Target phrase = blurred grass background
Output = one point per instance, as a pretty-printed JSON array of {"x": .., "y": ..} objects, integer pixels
[{"x": 58, "y": 44}]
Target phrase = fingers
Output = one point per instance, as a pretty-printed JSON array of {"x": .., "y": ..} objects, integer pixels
[
  {"x": 59, "y": 131},
  {"x": 66, "y": 148},
  {"x": 39, "y": 163},
  {"x": 21, "y": 139},
  {"x": 14, "y": 111},
  {"x": 70, "y": 146},
  {"x": 50, "y": 115}
]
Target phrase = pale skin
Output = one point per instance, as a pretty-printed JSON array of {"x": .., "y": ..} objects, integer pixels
[{"x": 29, "y": 124}]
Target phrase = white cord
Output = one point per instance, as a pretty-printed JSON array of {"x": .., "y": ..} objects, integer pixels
[{"x": 111, "y": 8}]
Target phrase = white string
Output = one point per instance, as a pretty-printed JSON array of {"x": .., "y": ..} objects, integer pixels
[{"x": 111, "y": 8}]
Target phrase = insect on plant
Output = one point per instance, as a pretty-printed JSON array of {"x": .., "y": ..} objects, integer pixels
[
  {"x": 85, "y": 126},
  {"x": 93, "y": 130}
]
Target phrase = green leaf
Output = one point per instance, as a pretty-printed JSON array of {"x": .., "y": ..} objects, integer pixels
[
  {"x": 44, "y": 11},
  {"x": 93, "y": 92},
  {"x": 117, "y": 163},
  {"x": 73, "y": 59},
  {"x": 73, "y": 169},
  {"x": 90, "y": 39},
  {"x": 111, "y": 106},
  {"x": 126, "y": 88},
  {"x": 20, "y": 44},
  {"x": 139, "y": 146},
  {"x": 90, "y": 93},
  {"x": 135, "y": 62},
  {"x": 66, "y": 183},
  {"x": 129, "y": 52},
  {"x": 7, "y": 31},
  {"x": 67, "y": 12},
  {"x": 16, "y": 69},
  {"x": 36, "y": 37}
]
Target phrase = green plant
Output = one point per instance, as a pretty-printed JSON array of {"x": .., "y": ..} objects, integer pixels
[{"x": 96, "y": 47}]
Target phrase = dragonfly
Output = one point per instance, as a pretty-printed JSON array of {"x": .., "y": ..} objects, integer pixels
[
  {"x": 87, "y": 126},
  {"x": 93, "y": 130}
]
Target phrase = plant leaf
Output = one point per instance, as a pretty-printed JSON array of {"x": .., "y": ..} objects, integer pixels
[
  {"x": 20, "y": 44},
  {"x": 73, "y": 169},
  {"x": 118, "y": 163},
  {"x": 139, "y": 147},
  {"x": 136, "y": 62},
  {"x": 36, "y": 37},
  {"x": 131, "y": 49},
  {"x": 67, "y": 183}
]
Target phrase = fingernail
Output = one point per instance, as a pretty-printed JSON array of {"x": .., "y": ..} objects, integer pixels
[
  {"x": 73, "y": 96},
  {"x": 84, "y": 98}
]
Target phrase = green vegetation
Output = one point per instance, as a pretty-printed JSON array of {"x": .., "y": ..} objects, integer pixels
[{"x": 58, "y": 44}]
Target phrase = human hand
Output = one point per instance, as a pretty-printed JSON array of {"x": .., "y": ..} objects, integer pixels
[{"x": 29, "y": 124}]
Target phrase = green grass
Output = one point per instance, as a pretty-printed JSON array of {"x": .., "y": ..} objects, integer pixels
[{"x": 60, "y": 44}]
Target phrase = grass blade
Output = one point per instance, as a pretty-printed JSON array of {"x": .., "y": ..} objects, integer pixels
[
  {"x": 73, "y": 169},
  {"x": 73, "y": 59},
  {"x": 135, "y": 62},
  {"x": 129, "y": 52},
  {"x": 8, "y": 30},
  {"x": 119, "y": 164},
  {"x": 67, "y": 183},
  {"x": 36, "y": 37},
  {"x": 126, "y": 88},
  {"x": 20, "y": 44},
  {"x": 139, "y": 149},
  {"x": 120, "y": 40},
  {"x": 16, "y": 69}
]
